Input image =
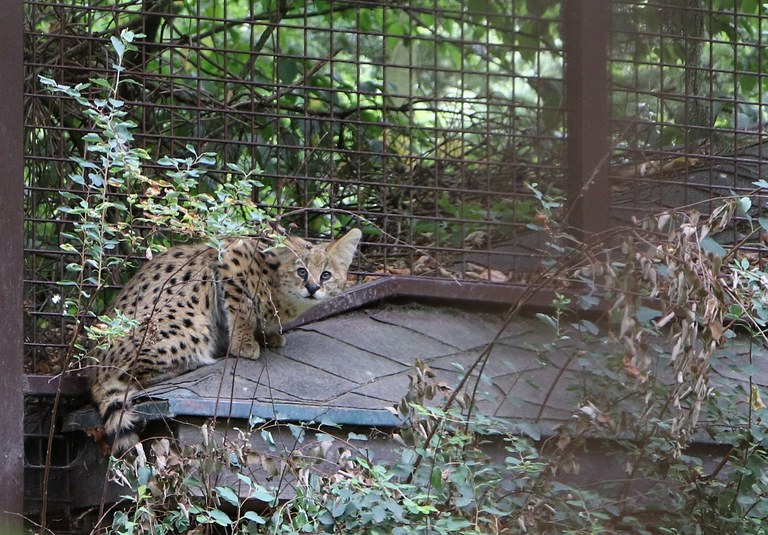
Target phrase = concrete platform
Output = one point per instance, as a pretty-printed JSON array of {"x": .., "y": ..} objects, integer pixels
[{"x": 348, "y": 369}]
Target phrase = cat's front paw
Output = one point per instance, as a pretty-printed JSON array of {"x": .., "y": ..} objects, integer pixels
[
  {"x": 275, "y": 340},
  {"x": 247, "y": 350}
]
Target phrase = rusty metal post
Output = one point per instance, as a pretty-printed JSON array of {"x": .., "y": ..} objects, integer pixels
[
  {"x": 11, "y": 273},
  {"x": 585, "y": 34}
]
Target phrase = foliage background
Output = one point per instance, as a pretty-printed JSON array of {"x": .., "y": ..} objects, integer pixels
[
  {"x": 417, "y": 122},
  {"x": 420, "y": 122}
]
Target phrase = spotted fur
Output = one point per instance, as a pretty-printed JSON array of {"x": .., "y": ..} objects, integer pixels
[{"x": 193, "y": 307}]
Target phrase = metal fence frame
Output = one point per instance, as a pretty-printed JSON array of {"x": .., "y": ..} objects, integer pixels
[
  {"x": 585, "y": 32},
  {"x": 11, "y": 276}
]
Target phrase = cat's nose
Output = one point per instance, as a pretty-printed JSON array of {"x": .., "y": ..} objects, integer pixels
[{"x": 312, "y": 288}]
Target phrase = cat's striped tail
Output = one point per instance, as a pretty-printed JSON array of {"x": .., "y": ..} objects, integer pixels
[{"x": 113, "y": 398}]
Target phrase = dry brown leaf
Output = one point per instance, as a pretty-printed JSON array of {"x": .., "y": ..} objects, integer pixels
[
  {"x": 680, "y": 163},
  {"x": 424, "y": 264},
  {"x": 717, "y": 330},
  {"x": 100, "y": 439},
  {"x": 476, "y": 240},
  {"x": 630, "y": 368},
  {"x": 483, "y": 273},
  {"x": 603, "y": 418}
]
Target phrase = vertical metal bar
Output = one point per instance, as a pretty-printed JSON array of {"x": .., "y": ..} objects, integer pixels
[
  {"x": 11, "y": 273},
  {"x": 585, "y": 35}
]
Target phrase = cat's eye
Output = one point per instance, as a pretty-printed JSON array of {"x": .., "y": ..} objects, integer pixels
[
  {"x": 303, "y": 273},
  {"x": 325, "y": 275}
]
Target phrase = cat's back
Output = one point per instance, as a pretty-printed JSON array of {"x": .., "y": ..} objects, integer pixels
[{"x": 178, "y": 278}]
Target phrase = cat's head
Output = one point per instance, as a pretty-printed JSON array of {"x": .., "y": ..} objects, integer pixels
[{"x": 312, "y": 272}]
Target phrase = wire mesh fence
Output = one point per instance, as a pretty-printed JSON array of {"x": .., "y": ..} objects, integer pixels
[
  {"x": 421, "y": 123},
  {"x": 417, "y": 122},
  {"x": 687, "y": 102},
  {"x": 65, "y": 453}
]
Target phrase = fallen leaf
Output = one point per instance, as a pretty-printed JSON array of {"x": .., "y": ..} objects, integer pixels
[
  {"x": 476, "y": 240},
  {"x": 100, "y": 439},
  {"x": 630, "y": 368},
  {"x": 477, "y": 272},
  {"x": 424, "y": 264}
]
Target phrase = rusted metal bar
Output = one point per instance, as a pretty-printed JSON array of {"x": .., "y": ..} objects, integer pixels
[
  {"x": 45, "y": 385},
  {"x": 11, "y": 274},
  {"x": 585, "y": 34},
  {"x": 419, "y": 289}
]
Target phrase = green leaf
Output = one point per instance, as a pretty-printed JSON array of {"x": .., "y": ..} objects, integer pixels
[
  {"x": 586, "y": 302},
  {"x": 253, "y": 517},
  {"x": 436, "y": 478},
  {"x": 262, "y": 494},
  {"x": 228, "y": 495},
  {"x": 298, "y": 432},
  {"x": 144, "y": 474},
  {"x": 86, "y": 164},
  {"x": 547, "y": 320},
  {"x": 220, "y": 517},
  {"x": 588, "y": 326},
  {"x": 245, "y": 479},
  {"x": 118, "y": 45},
  {"x": 745, "y": 204},
  {"x": 129, "y": 35},
  {"x": 645, "y": 314},
  {"x": 711, "y": 246},
  {"x": 206, "y": 159},
  {"x": 268, "y": 439},
  {"x": 479, "y": 7},
  {"x": 530, "y": 430},
  {"x": 454, "y": 524},
  {"x": 96, "y": 180},
  {"x": 101, "y": 82}
]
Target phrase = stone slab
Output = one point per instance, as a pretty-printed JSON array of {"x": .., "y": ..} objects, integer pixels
[
  {"x": 391, "y": 341},
  {"x": 458, "y": 328},
  {"x": 350, "y": 368}
]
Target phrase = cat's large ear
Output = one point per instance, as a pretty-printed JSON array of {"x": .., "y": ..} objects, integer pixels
[{"x": 344, "y": 248}]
